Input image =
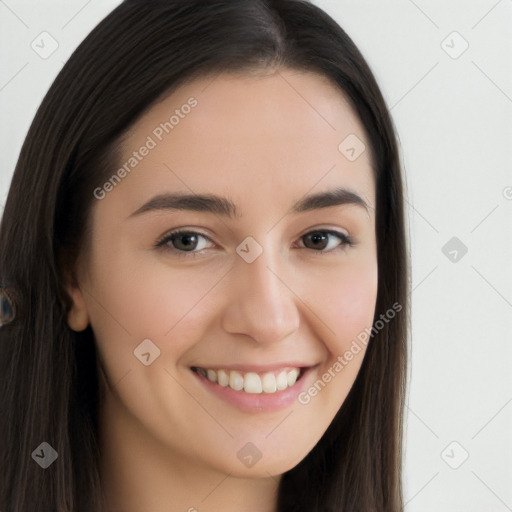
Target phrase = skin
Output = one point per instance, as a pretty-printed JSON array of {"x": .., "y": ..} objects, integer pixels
[{"x": 264, "y": 141}]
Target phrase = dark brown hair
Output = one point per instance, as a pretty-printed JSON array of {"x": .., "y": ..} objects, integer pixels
[{"x": 49, "y": 390}]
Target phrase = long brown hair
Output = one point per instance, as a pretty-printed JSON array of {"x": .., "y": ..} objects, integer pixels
[{"x": 49, "y": 390}]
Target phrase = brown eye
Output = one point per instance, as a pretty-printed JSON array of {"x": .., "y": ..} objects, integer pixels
[
  {"x": 321, "y": 240},
  {"x": 182, "y": 241}
]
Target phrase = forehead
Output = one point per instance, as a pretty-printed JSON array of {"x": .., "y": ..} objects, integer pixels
[{"x": 261, "y": 139}]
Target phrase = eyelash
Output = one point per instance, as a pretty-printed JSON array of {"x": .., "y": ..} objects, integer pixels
[{"x": 163, "y": 242}]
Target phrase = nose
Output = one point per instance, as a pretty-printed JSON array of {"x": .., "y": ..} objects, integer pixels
[{"x": 261, "y": 303}]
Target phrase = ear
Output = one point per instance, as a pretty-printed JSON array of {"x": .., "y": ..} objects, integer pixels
[
  {"x": 78, "y": 317},
  {"x": 73, "y": 300}
]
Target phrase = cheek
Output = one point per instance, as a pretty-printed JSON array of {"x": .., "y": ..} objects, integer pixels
[
  {"x": 131, "y": 301},
  {"x": 355, "y": 304},
  {"x": 346, "y": 306},
  {"x": 344, "y": 301}
]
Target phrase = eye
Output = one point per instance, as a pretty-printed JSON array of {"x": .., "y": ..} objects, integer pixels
[
  {"x": 324, "y": 240},
  {"x": 187, "y": 243},
  {"x": 183, "y": 241}
]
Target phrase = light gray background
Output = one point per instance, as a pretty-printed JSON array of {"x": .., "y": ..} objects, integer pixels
[{"x": 453, "y": 113}]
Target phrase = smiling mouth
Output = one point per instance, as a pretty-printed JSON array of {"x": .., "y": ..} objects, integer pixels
[{"x": 251, "y": 382}]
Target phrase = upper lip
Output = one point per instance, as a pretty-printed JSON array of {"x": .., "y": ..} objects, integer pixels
[{"x": 256, "y": 368}]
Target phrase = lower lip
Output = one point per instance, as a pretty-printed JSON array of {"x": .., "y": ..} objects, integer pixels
[{"x": 257, "y": 402}]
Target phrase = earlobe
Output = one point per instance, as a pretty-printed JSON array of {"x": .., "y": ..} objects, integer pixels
[{"x": 78, "y": 318}]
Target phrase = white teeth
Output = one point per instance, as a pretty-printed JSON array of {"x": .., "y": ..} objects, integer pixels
[
  {"x": 251, "y": 382},
  {"x": 292, "y": 377},
  {"x": 269, "y": 383},
  {"x": 222, "y": 378},
  {"x": 282, "y": 381},
  {"x": 236, "y": 381}
]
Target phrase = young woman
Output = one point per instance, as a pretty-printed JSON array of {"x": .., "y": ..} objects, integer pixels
[{"x": 204, "y": 273}]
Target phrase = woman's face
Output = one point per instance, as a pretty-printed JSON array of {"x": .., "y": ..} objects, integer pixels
[{"x": 276, "y": 273}]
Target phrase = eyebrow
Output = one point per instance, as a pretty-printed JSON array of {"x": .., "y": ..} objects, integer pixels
[{"x": 223, "y": 206}]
